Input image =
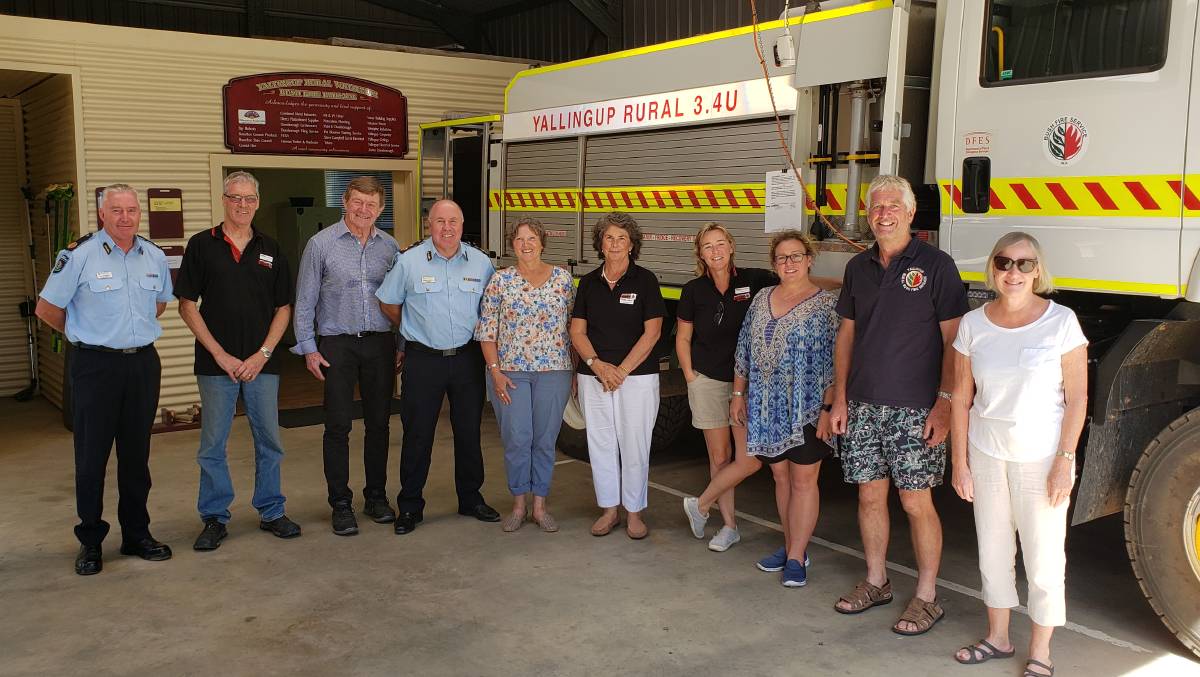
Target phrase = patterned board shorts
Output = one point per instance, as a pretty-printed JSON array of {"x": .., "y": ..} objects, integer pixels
[{"x": 883, "y": 442}]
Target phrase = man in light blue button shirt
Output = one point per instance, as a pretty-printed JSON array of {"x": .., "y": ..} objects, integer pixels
[
  {"x": 347, "y": 340},
  {"x": 105, "y": 293},
  {"x": 439, "y": 284}
]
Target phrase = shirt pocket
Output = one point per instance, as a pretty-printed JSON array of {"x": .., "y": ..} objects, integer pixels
[
  {"x": 424, "y": 286},
  {"x": 1035, "y": 358},
  {"x": 471, "y": 286},
  {"x": 104, "y": 286}
]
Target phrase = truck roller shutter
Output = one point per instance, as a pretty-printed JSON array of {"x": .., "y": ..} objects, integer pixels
[
  {"x": 542, "y": 181},
  {"x": 674, "y": 181}
]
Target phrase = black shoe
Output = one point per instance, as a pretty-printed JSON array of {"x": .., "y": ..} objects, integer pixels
[
  {"x": 148, "y": 549},
  {"x": 283, "y": 527},
  {"x": 379, "y": 511},
  {"x": 344, "y": 523},
  {"x": 482, "y": 512},
  {"x": 89, "y": 560},
  {"x": 407, "y": 521},
  {"x": 210, "y": 539}
]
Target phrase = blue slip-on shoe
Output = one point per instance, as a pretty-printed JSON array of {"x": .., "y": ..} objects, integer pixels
[
  {"x": 794, "y": 575},
  {"x": 773, "y": 562}
]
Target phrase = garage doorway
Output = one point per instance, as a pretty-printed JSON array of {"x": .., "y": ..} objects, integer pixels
[{"x": 299, "y": 197}]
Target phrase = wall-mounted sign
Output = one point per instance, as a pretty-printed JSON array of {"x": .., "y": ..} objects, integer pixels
[
  {"x": 314, "y": 114},
  {"x": 165, "y": 213},
  {"x": 682, "y": 107}
]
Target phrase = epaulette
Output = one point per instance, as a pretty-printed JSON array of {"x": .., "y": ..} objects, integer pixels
[
  {"x": 149, "y": 241},
  {"x": 76, "y": 243},
  {"x": 411, "y": 246}
]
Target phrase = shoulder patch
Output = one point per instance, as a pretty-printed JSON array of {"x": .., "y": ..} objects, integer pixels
[
  {"x": 61, "y": 263},
  {"x": 148, "y": 241},
  {"x": 404, "y": 249},
  {"x": 80, "y": 241}
]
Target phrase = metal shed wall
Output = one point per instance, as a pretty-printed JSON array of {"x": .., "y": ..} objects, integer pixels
[{"x": 160, "y": 126}]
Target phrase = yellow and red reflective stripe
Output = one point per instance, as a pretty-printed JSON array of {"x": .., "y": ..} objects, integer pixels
[
  {"x": 1158, "y": 196},
  {"x": 718, "y": 198}
]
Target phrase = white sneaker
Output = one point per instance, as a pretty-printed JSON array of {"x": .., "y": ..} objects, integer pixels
[
  {"x": 725, "y": 538},
  {"x": 696, "y": 519}
]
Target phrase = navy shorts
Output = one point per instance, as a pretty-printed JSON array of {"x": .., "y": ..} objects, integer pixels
[{"x": 884, "y": 442}]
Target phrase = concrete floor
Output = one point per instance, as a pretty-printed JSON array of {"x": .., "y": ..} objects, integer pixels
[{"x": 459, "y": 597}]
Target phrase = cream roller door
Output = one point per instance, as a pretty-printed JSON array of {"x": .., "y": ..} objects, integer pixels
[{"x": 14, "y": 256}]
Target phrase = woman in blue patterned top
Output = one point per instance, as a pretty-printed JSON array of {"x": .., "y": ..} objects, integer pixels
[
  {"x": 523, "y": 334},
  {"x": 783, "y": 370}
]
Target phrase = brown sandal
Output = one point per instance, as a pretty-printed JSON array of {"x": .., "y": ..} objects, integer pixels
[
  {"x": 920, "y": 613},
  {"x": 864, "y": 596}
]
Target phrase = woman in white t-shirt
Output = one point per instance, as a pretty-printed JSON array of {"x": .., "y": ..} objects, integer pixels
[{"x": 1017, "y": 411}]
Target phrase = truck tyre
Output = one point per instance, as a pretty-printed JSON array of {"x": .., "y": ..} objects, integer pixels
[
  {"x": 1162, "y": 526},
  {"x": 673, "y": 414}
]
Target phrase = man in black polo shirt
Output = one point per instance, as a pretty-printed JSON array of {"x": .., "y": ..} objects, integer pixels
[
  {"x": 243, "y": 280},
  {"x": 900, "y": 305}
]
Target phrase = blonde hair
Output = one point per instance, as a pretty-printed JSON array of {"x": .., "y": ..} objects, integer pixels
[
  {"x": 779, "y": 238},
  {"x": 1045, "y": 281},
  {"x": 701, "y": 266}
]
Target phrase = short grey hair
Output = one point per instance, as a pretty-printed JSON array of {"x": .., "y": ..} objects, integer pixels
[
  {"x": 115, "y": 189},
  {"x": 240, "y": 177},
  {"x": 893, "y": 182}
]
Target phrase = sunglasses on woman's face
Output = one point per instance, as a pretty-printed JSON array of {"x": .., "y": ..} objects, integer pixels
[{"x": 1003, "y": 263}]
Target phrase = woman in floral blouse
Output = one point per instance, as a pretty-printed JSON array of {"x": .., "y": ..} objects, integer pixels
[
  {"x": 523, "y": 333},
  {"x": 783, "y": 368}
]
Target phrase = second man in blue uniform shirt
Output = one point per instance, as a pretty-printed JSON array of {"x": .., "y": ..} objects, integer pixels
[{"x": 434, "y": 289}]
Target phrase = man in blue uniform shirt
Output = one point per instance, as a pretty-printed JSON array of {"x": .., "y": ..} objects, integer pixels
[
  {"x": 439, "y": 283},
  {"x": 105, "y": 293}
]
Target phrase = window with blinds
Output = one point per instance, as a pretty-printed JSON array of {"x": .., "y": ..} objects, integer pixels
[{"x": 335, "y": 187}]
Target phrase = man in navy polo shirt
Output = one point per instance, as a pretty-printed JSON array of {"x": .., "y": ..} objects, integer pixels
[
  {"x": 900, "y": 304},
  {"x": 235, "y": 294}
]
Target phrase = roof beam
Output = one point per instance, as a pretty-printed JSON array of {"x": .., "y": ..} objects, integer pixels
[
  {"x": 465, "y": 31},
  {"x": 599, "y": 12}
]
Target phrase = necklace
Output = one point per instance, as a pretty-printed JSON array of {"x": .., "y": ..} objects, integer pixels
[{"x": 612, "y": 283}]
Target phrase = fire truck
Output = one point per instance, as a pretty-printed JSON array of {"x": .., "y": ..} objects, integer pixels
[{"x": 1075, "y": 121}]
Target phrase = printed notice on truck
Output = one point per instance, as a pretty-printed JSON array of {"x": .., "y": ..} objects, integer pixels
[{"x": 785, "y": 206}]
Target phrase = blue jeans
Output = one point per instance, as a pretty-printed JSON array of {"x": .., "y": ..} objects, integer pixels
[
  {"x": 529, "y": 427},
  {"x": 218, "y": 397}
]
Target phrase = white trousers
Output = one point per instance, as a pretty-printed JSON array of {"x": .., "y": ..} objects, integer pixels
[
  {"x": 619, "y": 428},
  {"x": 1011, "y": 496}
]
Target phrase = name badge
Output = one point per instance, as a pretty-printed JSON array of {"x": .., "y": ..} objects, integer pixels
[
  {"x": 106, "y": 275},
  {"x": 428, "y": 279},
  {"x": 628, "y": 299},
  {"x": 471, "y": 279},
  {"x": 266, "y": 261},
  {"x": 151, "y": 274},
  {"x": 741, "y": 294}
]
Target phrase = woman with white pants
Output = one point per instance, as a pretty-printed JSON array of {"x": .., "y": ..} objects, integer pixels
[
  {"x": 1017, "y": 411},
  {"x": 615, "y": 326}
]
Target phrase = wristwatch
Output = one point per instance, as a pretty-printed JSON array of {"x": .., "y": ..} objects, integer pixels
[
  {"x": 265, "y": 351},
  {"x": 738, "y": 393},
  {"x": 494, "y": 365},
  {"x": 589, "y": 361},
  {"x": 945, "y": 395},
  {"x": 1069, "y": 455}
]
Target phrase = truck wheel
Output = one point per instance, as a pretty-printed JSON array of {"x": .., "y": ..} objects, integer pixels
[
  {"x": 673, "y": 414},
  {"x": 1162, "y": 526}
]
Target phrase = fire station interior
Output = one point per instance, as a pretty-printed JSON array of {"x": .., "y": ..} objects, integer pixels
[{"x": 458, "y": 596}]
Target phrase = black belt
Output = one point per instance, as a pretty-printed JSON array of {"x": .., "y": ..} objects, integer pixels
[
  {"x": 106, "y": 349},
  {"x": 364, "y": 334},
  {"x": 448, "y": 352}
]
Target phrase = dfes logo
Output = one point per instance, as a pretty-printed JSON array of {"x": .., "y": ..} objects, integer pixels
[{"x": 1065, "y": 140}]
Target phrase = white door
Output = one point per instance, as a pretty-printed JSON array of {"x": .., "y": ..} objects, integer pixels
[{"x": 1076, "y": 136}]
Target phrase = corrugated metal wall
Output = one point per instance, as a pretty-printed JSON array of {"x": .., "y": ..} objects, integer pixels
[
  {"x": 647, "y": 22},
  {"x": 14, "y": 258},
  {"x": 50, "y": 157},
  {"x": 158, "y": 125},
  {"x": 553, "y": 32},
  {"x": 546, "y": 164}
]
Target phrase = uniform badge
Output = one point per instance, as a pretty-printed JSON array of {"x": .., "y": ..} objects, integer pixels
[
  {"x": 107, "y": 248},
  {"x": 266, "y": 261},
  {"x": 913, "y": 279},
  {"x": 428, "y": 279},
  {"x": 61, "y": 263},
  {"x": 104, "y": 275},
  {"x": 628, "y": 299},
  {"x": 741, "y": 294}
]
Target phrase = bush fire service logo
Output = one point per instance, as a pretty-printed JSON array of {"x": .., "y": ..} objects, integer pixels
[
  {"x": 1065, "y": 140},
  {"x": 914, "y": 279}
]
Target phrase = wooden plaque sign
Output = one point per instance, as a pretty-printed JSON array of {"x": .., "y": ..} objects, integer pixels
[{"x": 314, "y": 114}]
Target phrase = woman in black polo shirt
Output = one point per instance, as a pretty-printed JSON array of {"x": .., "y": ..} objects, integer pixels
[
  {"x": 710, "y": 314},
  {"x": 615, "y": 325}
]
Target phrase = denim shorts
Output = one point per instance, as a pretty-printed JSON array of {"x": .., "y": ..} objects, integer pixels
[{"x": 884, "y": 442}]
